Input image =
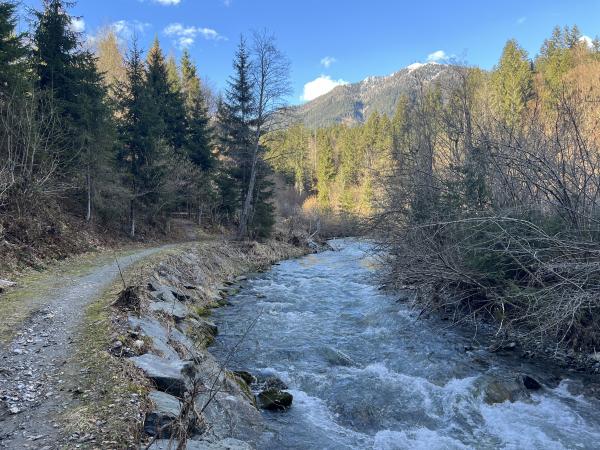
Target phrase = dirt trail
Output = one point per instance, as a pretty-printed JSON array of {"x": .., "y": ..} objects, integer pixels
[{"x": 35, "y": 365}]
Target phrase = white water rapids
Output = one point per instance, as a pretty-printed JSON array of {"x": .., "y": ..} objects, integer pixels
[{"x": 366, "y": 373}]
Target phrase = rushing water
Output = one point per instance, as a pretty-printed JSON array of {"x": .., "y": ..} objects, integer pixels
[{"x": 366, "y": 373}]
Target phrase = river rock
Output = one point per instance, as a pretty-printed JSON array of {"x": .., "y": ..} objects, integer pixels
[
  {"x": 172, "y": 377},
  {"x": 159, "y": 422},
  {"x": 500, "y": 391},
  {"x": 336, "y": 357},
  {"x": 246, "y": 376},
  {"x": 270, "y": 382},
  {"x": 275, "y": 400},
  {"x": 531, "y": 383}
]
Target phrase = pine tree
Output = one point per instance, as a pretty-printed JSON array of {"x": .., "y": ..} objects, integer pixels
[
  {"x": 167, "y": 98},
  {"x": 12, "y": 50},
  {"x": 325, "y": 167},
  {"x": 199, "y": 133},
  {"x": 234, "y": 118},
  {"x": 57, "y": 54},
  {"x": 140, "y": 130},
  {"x": 96, "y": 128},
  {"x": 173, "y": 76},
  {"x": 512, "y": 82}
]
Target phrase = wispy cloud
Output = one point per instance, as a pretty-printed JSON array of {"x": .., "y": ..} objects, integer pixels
[
  {"x": 320, "y": 86},
  {"x": 127, "y": 29},
  {"x": 165, "y": 2},
  {"x": 186, "y": 36},
  {"x": 438, "y": 55},
  {"x": 328, "y": 61},
  {"x": 227, "y": 2},
  {"x": 521, "y": 20}
]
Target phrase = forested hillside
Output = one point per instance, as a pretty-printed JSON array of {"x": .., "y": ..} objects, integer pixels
[
  {"x": 101, "y": 135},
  {"x": 483, "y": 186}
]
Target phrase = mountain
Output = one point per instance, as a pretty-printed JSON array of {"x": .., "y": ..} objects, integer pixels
[{"x": 353, "y": 103}]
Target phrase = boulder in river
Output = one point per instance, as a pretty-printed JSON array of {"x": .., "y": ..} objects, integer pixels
[
  {"x": 336, "y": 357},
  {"x": 531, "y": 383},
  {"x": 271, "y": 382},
  {"x": 500, "y": 391},
  {"x": 246, "y": 376},
  {"x": 275, "y": 400}
]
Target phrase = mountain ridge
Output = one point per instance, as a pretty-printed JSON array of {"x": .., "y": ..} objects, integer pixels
[{"x": 352, "y": 103}]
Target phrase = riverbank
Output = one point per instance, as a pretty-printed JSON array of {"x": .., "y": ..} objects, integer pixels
[{"x": 147, "y": 375}]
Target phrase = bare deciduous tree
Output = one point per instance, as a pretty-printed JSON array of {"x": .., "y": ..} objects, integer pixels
[{"x": 270, "y": 73}]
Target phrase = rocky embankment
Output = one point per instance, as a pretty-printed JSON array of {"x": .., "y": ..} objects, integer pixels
[{"x": 164, "y": 330}]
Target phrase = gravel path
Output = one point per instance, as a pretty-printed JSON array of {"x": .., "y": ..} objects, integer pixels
[{"x": 33, "y": 368}]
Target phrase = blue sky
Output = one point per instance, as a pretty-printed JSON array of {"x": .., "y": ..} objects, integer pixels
[{"x": 333, "y": 41}]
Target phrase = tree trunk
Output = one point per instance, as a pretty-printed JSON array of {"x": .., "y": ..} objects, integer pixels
[
  {"x": 132, "y": 218},
  {"x": 245, "y": 216},
  {"x": 199, "y": 213},
  {"x": 243, "y": 230},
  {"x": 88, "y": 215}
]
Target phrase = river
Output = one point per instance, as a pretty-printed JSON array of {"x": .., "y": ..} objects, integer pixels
[{"x": 365, "y": 372}]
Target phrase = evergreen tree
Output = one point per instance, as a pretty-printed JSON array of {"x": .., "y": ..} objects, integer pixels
[
  {"x": 12, "y": 50},
  {"x": 70, "y": 78},
  {"x": 96, "y": 131},
  {"x": 512, "y": 82},
  {"x": 556, "y": 59},
  {"x": 325, "y": 167},
  {"x": 234, "y": 116},
  {"x": 199, "y": 133},
  {"x": 140, "y": 131},
  {"x": 167, "y": 98},
  {"x": 57, "y": 56},
  {"x": 173, "y": 76}
]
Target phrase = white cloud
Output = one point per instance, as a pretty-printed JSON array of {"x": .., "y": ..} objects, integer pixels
[
  {"x": 167, "y": 2},
  {"x": 77, "y": 25},
  {"x": 328, "y": 61},
  {"x": 588, "y": 41},
  {"x": 439, "y": 55},
  {"x": 186, "y": 36},
  {"x": 126, "y": 29},
  {"x": 227, "y": 2},
  {"x": 521, "y": 20},
  {"x": 320, "y": 86}
]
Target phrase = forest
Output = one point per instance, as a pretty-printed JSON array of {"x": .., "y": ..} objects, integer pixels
[
  {"x": 483, "y": 187},
  {"x": 121, "y": 139}
]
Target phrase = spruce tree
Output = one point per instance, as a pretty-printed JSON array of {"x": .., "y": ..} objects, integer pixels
[
  {"x": 12, "y": 50},
  {"x": 237, "y": 118},
  {"x": 167, "y": 98},
  {"x": 512, "y": 82},
  {"x": 140, "y": 130},
  {"x": 199, "y": 133}
]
